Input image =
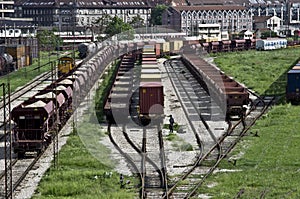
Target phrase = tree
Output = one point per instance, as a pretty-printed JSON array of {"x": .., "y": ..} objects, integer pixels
[
  {"x": 47, "y": 38},
  {"x": 296, "y": 35},
  {"x": 102, "y": 22},
  {"x": 156, "y": 14},
  {"x": 137, "y": 22},
  {"x": 117, "y": 26},
  {"x": 267, "y": 34}
]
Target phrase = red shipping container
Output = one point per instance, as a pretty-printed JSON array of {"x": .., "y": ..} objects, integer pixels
[
  {"x": 151, "y": 98},
  {"x": 157, "y": 50}
]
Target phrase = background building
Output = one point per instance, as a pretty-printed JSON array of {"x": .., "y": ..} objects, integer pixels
[
  {"x": 187, "y": 19},
  {"x": 81, "y": 14}
]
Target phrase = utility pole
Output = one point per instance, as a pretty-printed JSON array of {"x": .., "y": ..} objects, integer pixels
[{"x": 7, "y": 140}]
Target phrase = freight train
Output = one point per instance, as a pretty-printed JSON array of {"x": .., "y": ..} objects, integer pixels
[
  {"x": 150, "y": 91},
  {"x": 38, "y": 117},
  {"x": 137, "y": 91},
  {"x": 225, "y": 90}
]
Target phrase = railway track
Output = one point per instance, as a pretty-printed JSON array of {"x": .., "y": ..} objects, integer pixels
[
  {"x": 152, "y": 147},
  {"x": 198, "y": 112},
  {"x": 206, "y": 163},
  {"x": 17, "y": 98},
  {"x": 144, "y": 151},
  {"x": 20, "y": 168}
]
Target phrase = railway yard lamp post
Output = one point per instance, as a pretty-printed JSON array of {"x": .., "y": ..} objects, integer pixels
[
  {"x": 7, "y": 140},
  {"x": 54, "y": 107}
]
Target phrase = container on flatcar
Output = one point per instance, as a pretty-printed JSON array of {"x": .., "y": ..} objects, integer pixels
[
  {"x": 150, "y": 78},
  {"x": 148, "y": 54},
  {"x": 149, "y": 62},
  {"x": 151, "y": 98},
  {"x": 150, "y": 71},
  {"x": 157, "y": 49},
  {"x": 148, "y": 48},
  {"x": 166, "y": 47},
  {"x": 176, "y": 45},
  {"x": 149, "y": 66}
]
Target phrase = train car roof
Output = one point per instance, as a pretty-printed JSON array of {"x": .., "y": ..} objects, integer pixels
[
  {"x": 297, "y": 67},
  {"x": 150, "y": 84},
  {"x": 37, "y": 104},
  {"x": 150, "y": 78},
  {"x": 150, "y": 75},
  {"x": 294, "y": 71},
  {"x": 150, "y": 71},
  {"x": 149, "y": 66},
  {"x": 66, "y": 81},
  {"x": 122, "y": 83},
  {"x": 149, "y": 62},
  {"x": 51, "y": 95},
  {"x": 60, "y": 88}
]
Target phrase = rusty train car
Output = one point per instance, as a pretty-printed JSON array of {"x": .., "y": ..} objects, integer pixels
[
  {"x": 37, "y": 118},
  {"x": 225, "y": 90},
  {"x": 229, "y": 45}
]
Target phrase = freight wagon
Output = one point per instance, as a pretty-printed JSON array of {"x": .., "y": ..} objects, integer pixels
[
  {"x": 293, "y": 85},
  {"x": 231, "y": 96}
]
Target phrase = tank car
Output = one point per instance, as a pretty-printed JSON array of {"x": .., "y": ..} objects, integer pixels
[
  {"x": 6, "y": 64},
  {"x": 86, "y": 49}
]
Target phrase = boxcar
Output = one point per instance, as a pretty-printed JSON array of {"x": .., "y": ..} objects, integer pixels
[{"x": 151, "y": 99}]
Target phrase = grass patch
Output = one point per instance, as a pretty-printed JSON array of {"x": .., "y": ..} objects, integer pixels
[
  {"x": 178, "y": 143},
  {"x": 269, "y": 163},
  {"x": 80, "y": 175},
  {"x": 176, "y": 126},
  {"x": 85, "y": 167},
  {"x": 262, "y": 71},
  {"x": 103, "y": 91}
]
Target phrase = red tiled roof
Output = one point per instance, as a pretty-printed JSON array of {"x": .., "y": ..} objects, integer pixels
[
  {"x": 191, "y": 8},
  {"x": 260, "y": 19}
]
